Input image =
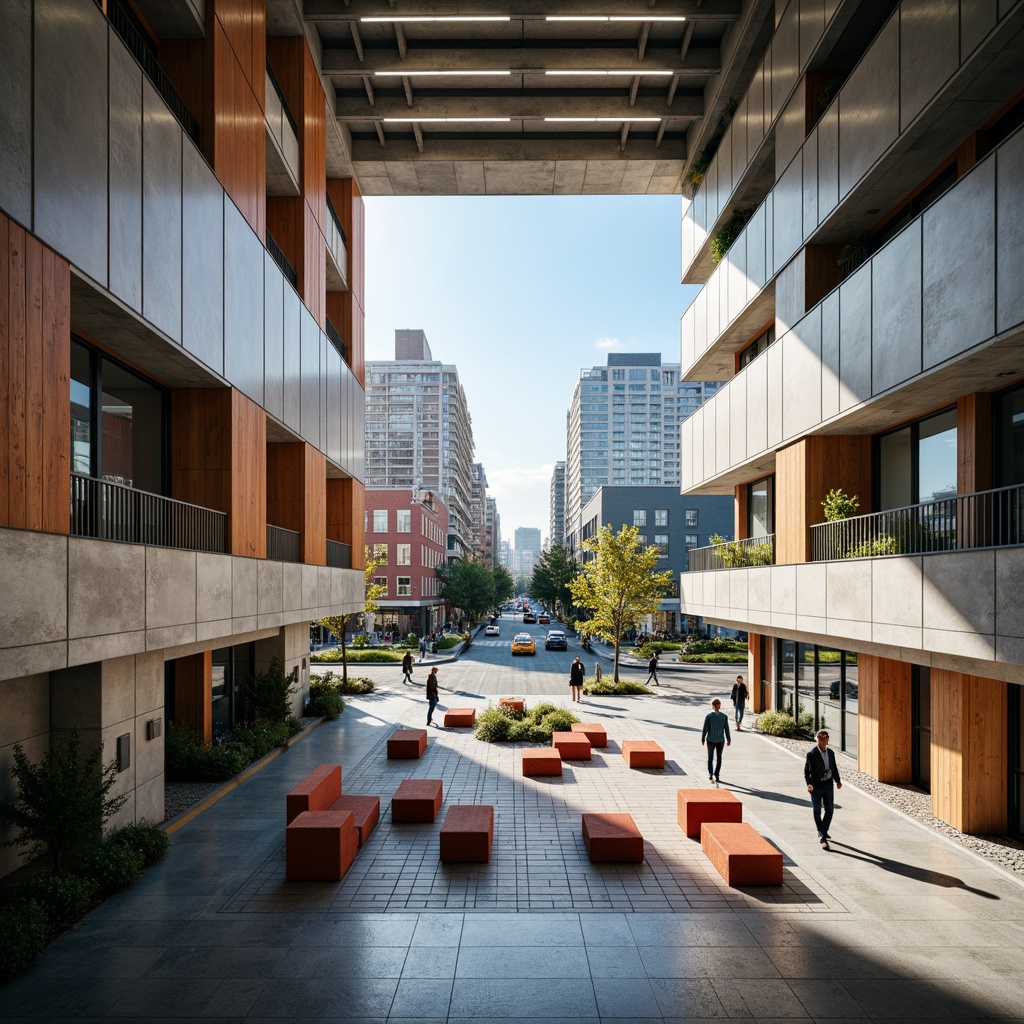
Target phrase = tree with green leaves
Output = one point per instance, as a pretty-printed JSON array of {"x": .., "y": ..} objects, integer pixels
[
  {"x": 467, "y": 585},
  {"x": 63, "y": 802},
  {"x": 372, "y": 593},
  {"x": 504, "y": 585},
  {"x": 619, "y": 585},
  {"x": 552, "y": 575}
]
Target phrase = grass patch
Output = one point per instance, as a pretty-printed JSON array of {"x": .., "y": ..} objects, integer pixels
[
  {"x": 367, "y": 655},
  {"x": 714, "y": 659},
  {"x": 535, "y": 725},
  {"x": 608, "y": 685}
]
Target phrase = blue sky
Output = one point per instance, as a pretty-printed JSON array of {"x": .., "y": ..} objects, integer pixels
[{"x": 521, "y": 293}]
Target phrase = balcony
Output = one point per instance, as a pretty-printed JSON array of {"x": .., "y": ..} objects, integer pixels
[
  {"x": 282, "y": 142},
  {"x": 733, "y": 554},
  {"x": 339, "y": 556},
  {"x": 283, "y": 545},
  {"x": 337, "y": 251}
]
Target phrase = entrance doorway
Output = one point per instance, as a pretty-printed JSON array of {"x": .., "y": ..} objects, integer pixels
[{"x": 921, "y": 727}]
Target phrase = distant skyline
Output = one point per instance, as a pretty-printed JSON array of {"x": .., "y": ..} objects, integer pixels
[{"x": 521, "y": 293}]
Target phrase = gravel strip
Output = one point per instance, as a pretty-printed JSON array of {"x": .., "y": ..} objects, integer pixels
[{"x": 916, "y": 804}]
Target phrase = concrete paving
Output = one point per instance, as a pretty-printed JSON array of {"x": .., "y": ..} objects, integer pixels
[{"x": 895, "y": 923}]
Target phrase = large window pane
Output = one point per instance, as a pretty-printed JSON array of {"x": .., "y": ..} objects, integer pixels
[
  {"x": 81, "y": 410},
  {"x": 830, "y": 687},
  {"x": 1009, "y": 439},
  {"x": 936, "y": 451},
  {"x": 132, "y": 426},
  {"x": 895, "y": 473},
  {"x": 760, "y": 514}
]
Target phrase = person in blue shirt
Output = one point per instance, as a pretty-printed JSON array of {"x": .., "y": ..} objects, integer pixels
[{"x": 715, "y": 735}]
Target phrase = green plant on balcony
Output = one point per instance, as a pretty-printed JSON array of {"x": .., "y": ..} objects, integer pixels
[
  {"x": 883, "y": 544},
  {"x": 697, "y": 172},
  {"x": 839, "y": 505},
  {"x": 736, "y": 555},
  {"x": 728, "y": 233}
]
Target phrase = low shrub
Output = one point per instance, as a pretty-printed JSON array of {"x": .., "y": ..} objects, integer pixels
[
  {"x": 736, "y": 658},
  {"x": 368, "y": 655},
  {"x": 356, "y": 685},
  {"x": 146, "y": 837},
  {"x": 449, "y": 640},
  {"x": 188, "y": 759},
  {"x": 25, "y": 932},
  {"x": 493, "y": 726},
  {"x": 559, "y": 720},
  {"x": 608, "y": 685},
  {"x": 715, "y": 645},
  {"x": 269, "y": 694},
  {"x": 112, "y": 866},
  {"x": 535, "y": 725},
  {"x": 63, "y": 899},
  {"x": 647, "y": 651},
  {"x": 776, "y": 723},
  {"x": 324, "y": 699}
]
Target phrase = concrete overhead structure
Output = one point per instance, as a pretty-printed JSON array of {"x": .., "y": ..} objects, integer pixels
[{"x": 868, "y": 321}]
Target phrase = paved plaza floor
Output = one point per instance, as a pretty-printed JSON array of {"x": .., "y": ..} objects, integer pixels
[{"x": 894, "y": 923}]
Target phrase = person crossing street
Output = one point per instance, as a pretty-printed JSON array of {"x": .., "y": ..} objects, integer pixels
[
  {"x": 652, "y": 669},
  {"x": 716, "y": 734}
]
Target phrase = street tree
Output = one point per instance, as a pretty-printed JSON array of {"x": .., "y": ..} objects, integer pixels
[
  {"x": 551, "y": 578},
  {"x": 504, "y": 585},
  {"x": 372, "y": 593},
  {"x": 468, "y": 585},
  {"x": 619, "y": 585}
]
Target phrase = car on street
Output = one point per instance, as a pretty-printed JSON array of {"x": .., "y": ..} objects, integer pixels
[
  {"x": 523, "y": 643},
  {"x": 555, "y": 641},
  {"x": 528, "y": 618},
  {"x": 493, "y": 630},
  {"x": 544, "y": 619}
]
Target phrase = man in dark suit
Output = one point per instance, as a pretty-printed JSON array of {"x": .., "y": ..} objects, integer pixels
[{"x": 821, "y": 773}]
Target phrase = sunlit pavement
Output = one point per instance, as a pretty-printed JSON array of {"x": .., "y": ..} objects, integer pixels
[{"x": 894, "y": 923}]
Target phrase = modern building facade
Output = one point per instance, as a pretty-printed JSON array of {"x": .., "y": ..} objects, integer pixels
[
  {"x": 181, "y": 331},
  {"x": 419, "y": 434},
  {"x": 556, "y": 528},
  {"x": 672, "y": 522},
  {"x": 623, "y": 429},
  {"x": 492, "y": 531},
  {"x": 478, "y": 511},
  {"x": 868, "y": 319},
  {"x": 505, "y": 554},
  {"x": 409, "y": 530}
]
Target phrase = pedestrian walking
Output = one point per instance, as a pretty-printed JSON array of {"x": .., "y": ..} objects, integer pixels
[
  {"x": 432, "y": 695},
  {"x": 576, "y": 675},
  {"x": 821, "y": 773},
  {"x": 652, "y": 669},
  {"x": 739, "y": 701},
  {"x": 423, "y": 647},
  {"x": 598, "y": 672},
  {"x": 407, "y": 667},
  {"x": 716, "y": 735}
]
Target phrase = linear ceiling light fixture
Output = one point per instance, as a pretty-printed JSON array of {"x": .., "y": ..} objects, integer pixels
[
  {"x": 435, "y": 74},
  {"x": 614, "y": 17},
  {"x": 446, "y": 120},
  {"x": 389, "y": 19},
  {"x": 631, "y": 74},
  {"x": 612, "y": 120}
]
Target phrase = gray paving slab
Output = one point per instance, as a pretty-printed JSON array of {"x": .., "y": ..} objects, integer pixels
[{"x": 895, "y": 923}]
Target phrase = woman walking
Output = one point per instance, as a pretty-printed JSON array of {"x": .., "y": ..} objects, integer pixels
[{"x": 576, "y": 675}]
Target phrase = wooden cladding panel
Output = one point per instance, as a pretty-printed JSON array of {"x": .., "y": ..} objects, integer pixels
[
  {"x": 244, "y": 26},
  {"x": 968, "y": 752},
  {"x": 740, "y": 512},
  {"x": 184, "y": 63},
  {"x": 35, "y": 364},
  {"x": 248, "y": 477},
  {"x": 193, "y": 693},
  {"x": 348, "y": 204},
  {"x": 346, "y": 516},
  {"x": 804, "y": 473},
  {"x": 313, "y": 125},
  {"x": 313, "y": 279},
  {"x": 974, "y": 443},
  {"x": 883, "y": 719},
  {"x": 821, "y": 272},
  {"x": 297, "y": 495},
  {"x": 759, "y": 666}
]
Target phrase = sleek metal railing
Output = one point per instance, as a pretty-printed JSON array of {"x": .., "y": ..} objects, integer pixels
[
  {"x": 281, "y": 260},
  {"x": 986, "y": 519},
  {"x": 123, "y": 26},
  {"x": 337, "y": 220},
  {"x": 339, "y": 556},
  {"x": 280, "y": 95},
  {"x": 336, "y": 339},
  {"x": 283, "y": 545},
  {"x": 109, "y": 511},
  {"x": 733, "y": 554}
]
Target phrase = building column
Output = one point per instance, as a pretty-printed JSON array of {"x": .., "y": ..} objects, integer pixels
[
  {"x": 759, "y": 669},
  {"x": 968, "y": 752},
  {"x": 883, "y": 718},
  {"x": 296, "y": 495}
]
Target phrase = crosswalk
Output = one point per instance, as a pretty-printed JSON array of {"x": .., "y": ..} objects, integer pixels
[{"x": 492, "y": 643}]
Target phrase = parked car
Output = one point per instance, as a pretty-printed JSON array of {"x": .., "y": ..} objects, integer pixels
[
  {"x": 493, "y": 630},
  {"x": 544, "y": 619},
  {"x": 555, "y": 641},
  {"x": 528, "y": 618},
  {"x": 523, "y": 643}
]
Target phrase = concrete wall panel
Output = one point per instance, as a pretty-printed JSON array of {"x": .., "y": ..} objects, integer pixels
[
  {"x": 959, "y": 592},
  {"x": 737, "y": 419},
  {"x": 790, "y": 294},
  {"x": 161, "y": 214},
  {"x": 687, "y": 337},
  {"x": 810, "y": 184},
  {"x": 755, "y": 110},
  {"x": 827, "y": 130},
  {"x": 801, "y": 363},
  {"x": 722, "y": 426},
  {"x": 959, "y": 267},
  {"x": 738, "y": 132},
  {"x": 848, "y": 595},
  {"x": 896, "y": 606},
  {"x": 243, "y": 305},
  {"x": 896, "y": 310},
  {"x": 756, "y": 375},
  {"x": 776, "y": 387},
  {"x": 929, "y": 52},
  {"x": 754, "y": 235},
  {"x": 1010, "y": 233},
  {"x": 125, "y": 210},
  {"x": 812, "y": 25},
  {"x": 709, "y": 422},
  {"x": 69, "y": 154},
  {"x": 35, "y": 574},
  {"x": 737, "y": 279},
  {"x": 977, "y": 19},
  {"x": 789, "y": 132},
  {"x": 788, "y": 214},
  {"x": 830, "y": 387},
  {"x": 785, "y": 56},
  {"x": 244, "y": 593},
  {"x": 855, "y": 338},
  {"x": 16, "y": 110},
  {"x": 1009, "y": 597},
  {"x": 202, "y": 328},
  {"x": 107, "y": 588}
]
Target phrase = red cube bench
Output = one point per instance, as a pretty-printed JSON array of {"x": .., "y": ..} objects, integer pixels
[
  {"x": 643, "y": 754},
  {"x": 407, "y": 743},
  {"x": 695, "y": 806},
  {"x": 515, "y": 703},
  {"x": 741, "y": 855},
  {"x": 612, "y": 837},
  {"x": 594, "y": 731},
  {"x": 571, "y": 746},
  {"x": 365, "y": 811},
  {"x": 316, "y": 792},
  {"x": 319, "y": 846},
  {"x": 459, "y": 718},
  {"x": 417, "y": 800},
  {"x": 542, "y": 761},
  {"x": 467, "y": 834}
]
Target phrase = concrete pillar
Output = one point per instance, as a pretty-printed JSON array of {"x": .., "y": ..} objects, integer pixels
[
  {"x": 883, "y": 718},
  {"x": 193, "y": 693}
]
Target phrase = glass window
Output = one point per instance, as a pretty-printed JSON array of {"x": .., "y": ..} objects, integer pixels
[
  {"x": 895, "y": 473},
  {"x": 761, "y": 508},
  {"x": 403, "y": 554},
  {"x": 936, "y": 477},
  {"x": 382, "y": 581},
  {"x": 639, "y": 517},
  {"x": 661, "y": 543},
  {"x": 642, "y": 539},
  {"x": 691, "y": 517},
  {"x": 1008, "y": 416},
  {"x": 403, "y": 521},
  {"x": 380, "y": 553},
  {"x": 380, "y": 520},
  {"x": 918, "y": 463},
  {"x": 661, "y": 517},
  {"x": 691, "y": 540},
  {"x": 81, "y": 410},
  {"x": 404, "y": 586}
]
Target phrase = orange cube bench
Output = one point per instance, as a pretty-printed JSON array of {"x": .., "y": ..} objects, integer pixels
[
  {"x": 571, "y": 746},
  {"x": 643, "y": 754},
  {"x": 407, "y": 743},
  {"x": 319, "y": 846},
  {"x": 542, "y": 761},
  {"x": 515, "y": 703},
  {"x": 316, "y": 792},
  {"x": 612, "y": 837},
  {"x": 467, "y": 834},
  {"x": 695, "y": 806},
  {"x": 459, "y": 718},
  {"x": 741, "y": 855},
  {"x": 417, "y": 800},
  {"x": 365, "y": 811},
  {"x": 594, "y": 732}
]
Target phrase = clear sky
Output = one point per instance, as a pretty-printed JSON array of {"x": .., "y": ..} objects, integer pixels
[{"x": 520, "y": 293}]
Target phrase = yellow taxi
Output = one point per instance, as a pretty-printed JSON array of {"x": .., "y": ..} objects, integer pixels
[{"x": 523, "y": 643}]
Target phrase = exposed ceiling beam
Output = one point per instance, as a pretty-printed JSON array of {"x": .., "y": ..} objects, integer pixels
[
  {"x": 331, "y": 10},
  {"x": 400, "y": 39},
  {"x": 368, "y": 86},
  {"x": 633, "y": 89},
  {"x": 380, "y": 132},
  {"x": 353, "y": 108},
  {"x": 623, "y": 135},
  {"x": 687, "y": 36},
  {"x": 403, "y": 147},
  {"x": 357, "y": 41},
  {"x": 407, "y": 86},
  {"x": 418, "y": 135},
  {"x": 641, "y": 45}
]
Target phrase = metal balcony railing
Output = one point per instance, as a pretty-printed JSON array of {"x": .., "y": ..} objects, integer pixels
[
  {"x": 337, "y": 220},
  {"x": 280, "y": 95},
  {"x": 339, "y": 556},
  {"x": 986, "y": 519},
  {"x": 336, "y": 339},
  {"x": 283, "y": 545},
  {"x": 282, "y": 261},
  {"x": 110, "y": 511},
  {"x": 733, "y": 554}
]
